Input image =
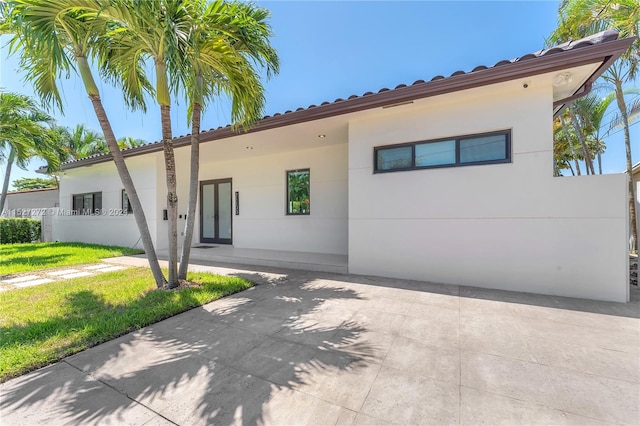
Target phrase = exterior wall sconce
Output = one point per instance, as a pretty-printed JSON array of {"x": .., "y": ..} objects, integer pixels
[{"x": 563, "y": 79}]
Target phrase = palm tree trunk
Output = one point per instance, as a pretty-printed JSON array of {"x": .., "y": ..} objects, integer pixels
[
  {"x": 571, "y": 168},
  {"x": 132, "y": 194},
  {"x": 599, "y": 161},
  {"x": 576, "y": 125},
  {"x": 172, "y": 196},
  {"x": 193, "y": 191},
  {"x": 627, "y": 144},
  {"x": 7, "y": 175},
  {"x": 123, "y": 171},
  {"x": 573, "y": 152}
]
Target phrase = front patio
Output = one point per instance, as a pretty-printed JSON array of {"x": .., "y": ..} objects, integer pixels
[{"x": 319, "y": 262}]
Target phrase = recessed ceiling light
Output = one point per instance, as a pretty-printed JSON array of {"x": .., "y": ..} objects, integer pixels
[
  {"x": 248, "y": 147},
  {"x": 322, "y": 136}
]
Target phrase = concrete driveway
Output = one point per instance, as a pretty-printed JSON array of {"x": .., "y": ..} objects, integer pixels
[{"x": 320, "y": 348}]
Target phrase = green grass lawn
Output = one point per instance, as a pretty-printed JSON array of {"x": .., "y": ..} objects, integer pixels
[
  {"x": 15, "y": 258},
  {"x": 42, "y": 324}
]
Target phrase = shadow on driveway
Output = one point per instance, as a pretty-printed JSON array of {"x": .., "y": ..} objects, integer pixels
[
  {"x": 240, "y": 359},
  {"x": 320, "y": 348}
]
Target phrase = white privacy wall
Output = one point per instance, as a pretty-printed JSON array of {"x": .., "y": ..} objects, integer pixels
[
  {"x": 506, "y": 226},
  {"x": 111, "y": 227}
]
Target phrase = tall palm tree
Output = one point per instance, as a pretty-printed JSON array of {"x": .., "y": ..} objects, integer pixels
[
  {"x": 54, "y": 38},
  {"x": 592, "y": 109},
  {"x": 578, "y": 127},
  {"x": 226, "y": 41},
  {"x": 580, "y": 18},
  {"x": 23, "y": 135},
  {"x": 155, "y": 32}
]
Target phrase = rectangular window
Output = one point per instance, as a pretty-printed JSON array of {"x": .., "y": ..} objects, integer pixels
[
  {"x": 298, "y": 192},
  {"x": 126, "y": 206},
  {"x": 487, "y": 148},
  {"x": 87, "y": 204}
]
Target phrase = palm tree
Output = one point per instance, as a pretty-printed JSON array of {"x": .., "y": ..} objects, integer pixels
[
  {"x": 155, "y": 31},
  {"x": 578, "y": 127},
  {"x": 207, "y": 49},
  {"x": 54, "y": 38},
  {"x": 23, "y": 135},
  {"x": 226, "y": 41},
  {"x": 80, "y": 142},
  {"x": 592, "y": 109},
  {"x": 568, "y": 137},
  {"x": 580, "y": 18},
  {"x": 75, "y": 144}
]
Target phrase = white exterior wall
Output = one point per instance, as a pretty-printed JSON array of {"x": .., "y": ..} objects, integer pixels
[
  {"x": 110, "y": 228},
  {"x": 261, "y": 182},
  {"x": 507, "y": 226}
]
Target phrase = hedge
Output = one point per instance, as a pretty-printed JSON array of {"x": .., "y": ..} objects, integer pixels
[{"x": 19, "y": 230}]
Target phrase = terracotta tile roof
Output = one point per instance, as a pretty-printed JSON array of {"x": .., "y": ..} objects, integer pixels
[{"x": 603, "y": 46}]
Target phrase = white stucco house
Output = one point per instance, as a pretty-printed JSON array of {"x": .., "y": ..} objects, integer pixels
[{"x": 448, "y": 180}]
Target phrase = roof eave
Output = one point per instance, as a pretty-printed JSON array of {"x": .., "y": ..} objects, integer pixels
[{"x": 606, "y": 53}]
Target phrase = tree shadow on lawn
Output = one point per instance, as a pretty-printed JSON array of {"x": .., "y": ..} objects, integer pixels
[
  {"x": 37, "y": 262},
  {"x": 77, "y": 307},
  {"x": 281, "y": 352}
]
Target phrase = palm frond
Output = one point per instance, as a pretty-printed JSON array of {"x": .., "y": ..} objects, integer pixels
[{"x": 633, "y": 113}]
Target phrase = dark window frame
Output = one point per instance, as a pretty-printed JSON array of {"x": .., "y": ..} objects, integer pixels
[
  {"x": 82, "y": 211},
  {"x": 457, "y": 139},
  {"x": 287, "y": 204},
  {"x": 128, "y": 209},
  {"x": 216, "y": 196}
]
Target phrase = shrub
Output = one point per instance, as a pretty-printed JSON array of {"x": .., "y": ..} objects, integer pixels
[{"x": 19, "y": 230}]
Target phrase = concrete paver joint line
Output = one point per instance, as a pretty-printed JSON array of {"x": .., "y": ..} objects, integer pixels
[
  {"x": 47, "y": 276},
  {"x": 91, "y": 377}
]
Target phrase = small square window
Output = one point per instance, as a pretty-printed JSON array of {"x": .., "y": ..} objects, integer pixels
[{"x": 299, "y": 192}]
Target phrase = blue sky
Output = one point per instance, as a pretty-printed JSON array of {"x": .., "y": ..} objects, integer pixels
[{"x": 334, "y": 49}]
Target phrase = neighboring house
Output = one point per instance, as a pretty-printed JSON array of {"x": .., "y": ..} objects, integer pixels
[
  {"x": 448, "y": 180},
  {"x": 38, "y": 204},
  {"x": 30, "y": 202}
]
